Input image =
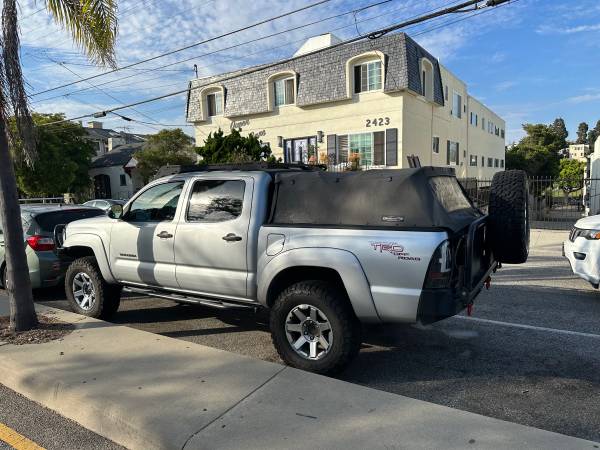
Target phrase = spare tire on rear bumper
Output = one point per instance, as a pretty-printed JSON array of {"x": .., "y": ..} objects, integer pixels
[{"x": 509, "y": 217}]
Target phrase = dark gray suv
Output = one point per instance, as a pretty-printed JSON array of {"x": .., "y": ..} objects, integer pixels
[{"x": 45, "y": 268}]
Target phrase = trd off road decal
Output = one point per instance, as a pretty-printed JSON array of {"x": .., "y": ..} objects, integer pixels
[{"x": 395, "y": 249}]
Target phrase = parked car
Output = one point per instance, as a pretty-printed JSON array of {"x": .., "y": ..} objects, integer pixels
[
  {"x": 582, "y": 249},
  {"x": 324, "y": 252},
  {"x": 104, "y": 204},
  {"x": 46, "y": 269}
]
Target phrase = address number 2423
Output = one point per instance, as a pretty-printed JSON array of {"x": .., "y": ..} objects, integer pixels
[{"x": 377, "y": 122}]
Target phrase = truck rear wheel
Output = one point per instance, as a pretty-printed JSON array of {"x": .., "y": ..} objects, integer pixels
[
  {"x": 314, "y": 328},
  {"x": 87, "y": 292},
  {"x": 509, "y": 216}
]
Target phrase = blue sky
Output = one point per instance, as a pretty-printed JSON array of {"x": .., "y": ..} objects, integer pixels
[{"x": 530, "y": 61}]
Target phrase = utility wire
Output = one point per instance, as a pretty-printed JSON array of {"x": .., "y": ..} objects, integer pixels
[
  {"x": 242, "y": 44},
  {"x": 196, "y": 44},
  {"x": 372, "y": 35}
]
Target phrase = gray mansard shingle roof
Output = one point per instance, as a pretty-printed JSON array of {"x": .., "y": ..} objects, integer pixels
[{"x": 321, "y": 77}]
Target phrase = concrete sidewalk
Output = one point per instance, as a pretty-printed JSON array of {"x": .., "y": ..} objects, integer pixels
[{"x": 146, "y": 391}]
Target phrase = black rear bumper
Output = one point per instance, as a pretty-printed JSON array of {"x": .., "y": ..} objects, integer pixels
[{"x": 476, "y": 267}]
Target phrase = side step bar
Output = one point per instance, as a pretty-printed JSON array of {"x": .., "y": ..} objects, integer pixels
[{"x": 189, "y": 299}]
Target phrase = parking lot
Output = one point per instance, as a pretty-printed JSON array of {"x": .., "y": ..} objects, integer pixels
[{"x": 529, "y": 354}]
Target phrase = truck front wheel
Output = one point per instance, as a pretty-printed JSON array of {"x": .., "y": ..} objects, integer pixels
[
  {"x": 87, "y": 292},
  {"x": 314, "y": 328}
]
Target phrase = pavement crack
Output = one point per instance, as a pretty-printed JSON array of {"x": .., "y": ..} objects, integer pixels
[{"x": 232, "y": 406}]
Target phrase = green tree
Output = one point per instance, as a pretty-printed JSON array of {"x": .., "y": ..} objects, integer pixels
[
  {"x": 538, "y": 153},
  {"x": 571, "y": 175},
  {"x": 167, "y": 147},
  {"x": 593, "y": 135},
  {"x": 63, "y": 159},
  {"x": 93, "y": 26},
  {"x": 219, "y": 148},
  {"x": 582, "y": 132},
  {"x": 560, "y": 129}
]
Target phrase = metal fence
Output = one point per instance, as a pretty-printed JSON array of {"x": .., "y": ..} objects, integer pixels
[{"x": 554, "y": 203}]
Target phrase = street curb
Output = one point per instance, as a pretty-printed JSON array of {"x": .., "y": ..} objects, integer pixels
[{"x": 145, "y": 391}]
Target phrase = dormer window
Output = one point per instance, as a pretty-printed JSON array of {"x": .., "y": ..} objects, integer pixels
[
  {"x": 427, "y": 79},
  {"x": 283, "y": 92},
  {"x": 367, "y": 77},
  {"x": 214, "y": 104}
]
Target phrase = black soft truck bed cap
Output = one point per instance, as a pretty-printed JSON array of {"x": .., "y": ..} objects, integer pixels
[{"x": 427, "y": 197}]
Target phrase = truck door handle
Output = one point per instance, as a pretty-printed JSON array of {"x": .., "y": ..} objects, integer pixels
[
  {"x": 164, "y": 235},
  {"x": 231, "y": 237}
]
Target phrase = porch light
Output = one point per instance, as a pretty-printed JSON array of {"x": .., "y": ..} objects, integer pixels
[
  {"x": 280, "y": 141},
  {"x": 320, "y": 137}
]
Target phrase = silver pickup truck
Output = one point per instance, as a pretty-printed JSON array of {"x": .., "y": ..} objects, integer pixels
[{"x": 324, "y": 252}]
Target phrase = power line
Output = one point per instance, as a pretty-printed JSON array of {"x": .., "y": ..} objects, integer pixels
[
  {"x": 196, "y": 44},
  {"x": 372, "y": 35},
  {"x": 242, "y": 44}
]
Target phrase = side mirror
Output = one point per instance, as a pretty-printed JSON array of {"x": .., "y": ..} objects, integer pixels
[{"x": 115, "y": 211}]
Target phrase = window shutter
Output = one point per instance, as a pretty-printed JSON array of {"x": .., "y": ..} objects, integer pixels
[
  {"x": 457, "y": 153},
  {"x": 378, "y": 148},
  {"x": 391, "y": 147},
  {"x": 357, "y": 79},
  {"x": 448, "y": 153},
  {"x": 331, "y": 146},
  {"x": 289, "y": 92}
]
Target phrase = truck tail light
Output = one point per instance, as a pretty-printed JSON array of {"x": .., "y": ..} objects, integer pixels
[
  {"x": 439, "y": 274},
  {"x": 40, "y": 243}
]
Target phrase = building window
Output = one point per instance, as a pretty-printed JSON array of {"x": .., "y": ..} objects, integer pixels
[
  {"x": 482, "y": 161},
  {"x": 446, "y": 92},
  {"x": 436, "y": 144},
  {"x": 456, "y": 105},
  {"x": 483, "y": 123},
  {"x": 473, "y": 160},
  {"x": 474, "y": 120},
  {"x": 367, "y": 77},
  {"x": 123, "y": 179},
  {"x": 283, "y": 92},
  {"x": 453, "y": 149},
  {"x": 214, "y": 104},
  {"x": 427, "y": 79},
  {"x": 502, "y": 163},
  {"x": 496, "y": 163},
  {"x": 370, "y": 148},
  {"x": 502, "y": 133},
  {"x": 490, "y": 162}
]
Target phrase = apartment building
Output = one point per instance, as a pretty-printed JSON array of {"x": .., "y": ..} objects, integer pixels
[
  {"x": 579, "y": 152},
  {"x": 381, "y": 102}
]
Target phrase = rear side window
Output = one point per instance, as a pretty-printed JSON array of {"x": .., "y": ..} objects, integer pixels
[
  {"x": 449, "y": 193},
  {"x": 216, "y": 200},
  {"x": 47, "y": 221}
]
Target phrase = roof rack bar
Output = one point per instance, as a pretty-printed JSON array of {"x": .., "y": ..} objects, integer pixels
[{"x": 251, "y": 166}]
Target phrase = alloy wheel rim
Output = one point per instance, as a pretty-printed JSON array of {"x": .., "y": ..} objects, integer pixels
[
  {"x": 84, "y": 291},
  {"x": 309, "y": 332}
]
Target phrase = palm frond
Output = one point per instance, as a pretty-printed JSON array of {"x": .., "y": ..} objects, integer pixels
[
  {"x": 12, "y": 81},
  {"x": 92, "y": 23}
]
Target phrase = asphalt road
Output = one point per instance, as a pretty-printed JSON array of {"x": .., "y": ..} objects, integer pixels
[
  {"x": 45, "y": 427},
  {"x": 543, "y": 377}
]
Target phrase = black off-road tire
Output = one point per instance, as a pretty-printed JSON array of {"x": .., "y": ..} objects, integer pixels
[
  {"x": 344, "y": 324},
  {"x": 509, "y": 216},
  {"x": 107, "y": 296}
]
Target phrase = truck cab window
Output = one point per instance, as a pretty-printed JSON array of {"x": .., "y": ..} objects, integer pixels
[
  {"x": 216, "y": 200},
  {"x": 156, "y": 204}
]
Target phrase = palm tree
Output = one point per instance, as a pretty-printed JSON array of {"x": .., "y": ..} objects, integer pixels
[{"x": 93, "y": 26}]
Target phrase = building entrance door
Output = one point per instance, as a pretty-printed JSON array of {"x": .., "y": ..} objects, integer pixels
[{"x": 300, "y": 150}]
